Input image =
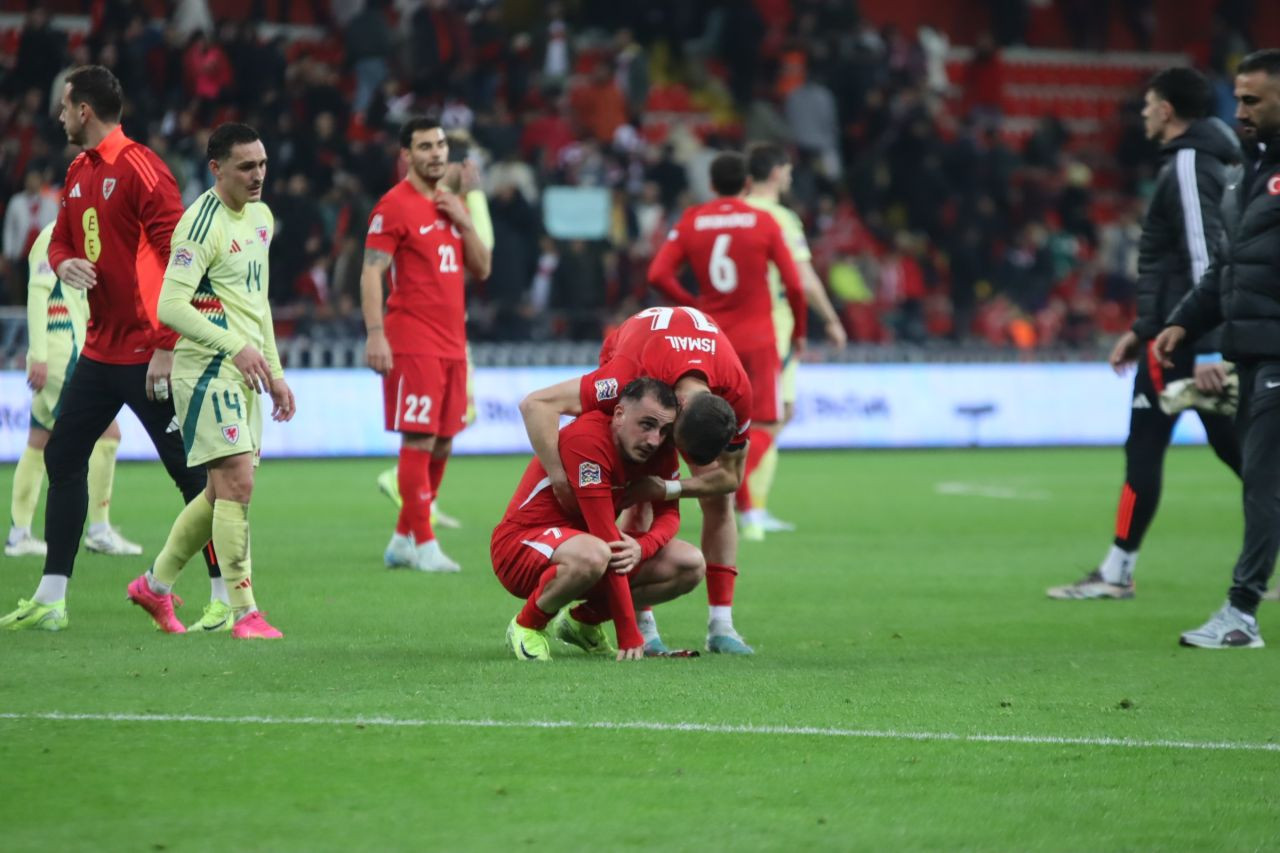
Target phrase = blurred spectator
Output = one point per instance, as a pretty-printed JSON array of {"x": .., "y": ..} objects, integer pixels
[
  {"x": 27, "y": 213},
  {"x": 578, "y": 290},
  {"x": 598, "y": 105},
  {"x": 40, "y": 54},
  {"x": 368, "y": 42},
  {"x": 815, "y": 127}
]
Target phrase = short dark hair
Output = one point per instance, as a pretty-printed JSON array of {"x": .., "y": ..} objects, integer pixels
[
  {"x": 763, "y": 158},
  {"x": 413, "y": 125},
  {"x": 646, "y": 386},
  {"x": 704, "y": 428},
  {"x": 99, "y": 88},
  {"x": 227, "y": 136},
  {"x": 1261, "y": 60},
  {"x": 1185, "y": 89},
  {"x": 728, "y": 174}
]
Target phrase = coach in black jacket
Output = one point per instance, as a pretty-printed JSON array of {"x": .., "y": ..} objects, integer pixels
[
  {"x": 1241, "y": 290},
  {"x": 1183, "y": 226}
]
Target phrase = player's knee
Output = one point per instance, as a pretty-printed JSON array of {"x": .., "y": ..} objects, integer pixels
[
  {"x": 66, "y": 458},
  {"x": 690, "y": 566},
  {"x": 418, "y": 441},
  {"x": 586, "y": 560}
]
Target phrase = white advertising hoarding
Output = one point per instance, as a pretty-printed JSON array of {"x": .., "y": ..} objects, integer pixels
[{"x": 838, "y": 406}]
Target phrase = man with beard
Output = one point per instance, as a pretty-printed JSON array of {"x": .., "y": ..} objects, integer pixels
[
  {"x": 424, "y": 234},
  {"x": 1241, "y": 290}
]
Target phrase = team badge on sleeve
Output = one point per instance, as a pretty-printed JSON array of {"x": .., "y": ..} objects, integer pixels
[
  {"x": 262, "y": 234},
  {"x": 108, "y": 187},
  {"x": 231, "y": 433},
  {"x": 606, "y": 389},
  {"x": 375, "y": 224},
  {"x": 183, "y": 257},
  {"x": 589, "y": 474}
]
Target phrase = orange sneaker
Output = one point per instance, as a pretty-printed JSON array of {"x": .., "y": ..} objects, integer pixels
[
  {"x": 159, "y": 607},
  {"x": 254, "y": 626}
]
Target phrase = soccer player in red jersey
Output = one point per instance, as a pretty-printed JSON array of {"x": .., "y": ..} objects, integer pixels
[
  {"x": 684, "y": 349},
  {"x": 729, "y": 243},
  {"x": 119, "y": 207},
  {"x": 425, "y": 236},
  {"x": 551, "y": 556}
]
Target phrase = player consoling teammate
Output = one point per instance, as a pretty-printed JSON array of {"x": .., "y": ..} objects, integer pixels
[{"x": 215, "y": 297}]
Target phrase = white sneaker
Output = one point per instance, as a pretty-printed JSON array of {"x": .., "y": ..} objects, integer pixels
[
  {"x": 772, "y": 524},
  {"x": 1227, "y": 629},
  {"x": 723, "y": 639},
  {"x": 429, "y": 558},
  {"x": 110, "y": 542},
  {"x": 400, "y": 553},
  {"x": 24, "y": 544},
  {"x": 439, "y": 518}
]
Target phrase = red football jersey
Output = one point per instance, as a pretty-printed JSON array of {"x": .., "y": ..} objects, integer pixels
[
  {"x": 426, "y": 312},
  {"x": 119, "y": 208},
  {"x": 668, "y": 344},
  {"x": 598, "y": 472},
  {"x": 729, "y": 244}
]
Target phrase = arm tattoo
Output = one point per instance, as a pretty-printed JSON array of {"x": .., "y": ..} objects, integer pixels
[{"x": 376, "y": 259}]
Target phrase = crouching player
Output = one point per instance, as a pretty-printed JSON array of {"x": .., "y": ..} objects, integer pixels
[
  {"x": 215, "y": 298},
  {"x": 551, "y": 556}
]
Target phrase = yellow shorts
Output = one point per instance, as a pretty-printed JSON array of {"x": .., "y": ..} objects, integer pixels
[
  {"x": 48, "y": 400},
  {"x": 219, "y": 417}
]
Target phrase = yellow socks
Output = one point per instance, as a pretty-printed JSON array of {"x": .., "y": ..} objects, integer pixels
[
  {"x": 231, "y": 542},
  {"x": 761, "y": 479},
  {"x": 102, "y": 473},
  {"x": 27, "y": 479},
  {"x": 192, "y": 528}
]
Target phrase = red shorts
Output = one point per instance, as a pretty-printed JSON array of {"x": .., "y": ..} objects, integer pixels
[
  {"x": 764, "y": 367},
  {"x": 425, "y": 394},
  {"x": 521, "y": 554}
]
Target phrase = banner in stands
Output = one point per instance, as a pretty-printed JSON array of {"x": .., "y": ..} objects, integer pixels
[{"x": 838, "y": 406}]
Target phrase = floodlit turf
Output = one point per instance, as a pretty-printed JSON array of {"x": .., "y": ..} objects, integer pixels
[{"x": 910, "y": 601}]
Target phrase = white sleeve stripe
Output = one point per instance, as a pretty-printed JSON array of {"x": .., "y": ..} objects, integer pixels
[{"x": 1194, "y": 222}]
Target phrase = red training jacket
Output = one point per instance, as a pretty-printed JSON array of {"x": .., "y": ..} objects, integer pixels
[{"x": 119, "y": 208}]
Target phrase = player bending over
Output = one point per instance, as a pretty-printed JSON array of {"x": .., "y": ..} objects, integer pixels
[{"x": 682, "y": 348}]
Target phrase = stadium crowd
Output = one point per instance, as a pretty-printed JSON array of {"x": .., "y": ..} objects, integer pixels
[{"x": 926, "y": 222}]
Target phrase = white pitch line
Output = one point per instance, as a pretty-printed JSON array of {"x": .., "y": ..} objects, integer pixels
[
  {"x": 980, "y": 490},
  {"x": 702, "y": 728}
]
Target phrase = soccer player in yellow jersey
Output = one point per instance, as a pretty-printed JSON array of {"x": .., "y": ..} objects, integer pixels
[
  {"x": 56, "y": 321},
  {"x": 215, "y": 298},
  {"x": 770, "y": 174}
]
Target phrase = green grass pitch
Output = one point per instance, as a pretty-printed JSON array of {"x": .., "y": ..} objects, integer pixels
[{"x": 904, "y": 618}]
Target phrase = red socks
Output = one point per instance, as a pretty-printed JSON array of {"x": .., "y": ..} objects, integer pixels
[
  {"x": 414, "y": 477},
  {"x": 720, "y": 584},
  {"x": 531, "y": 616},
  {"x": 437, "y": 473}
]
